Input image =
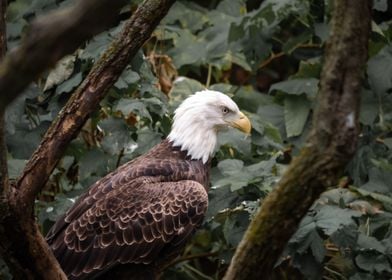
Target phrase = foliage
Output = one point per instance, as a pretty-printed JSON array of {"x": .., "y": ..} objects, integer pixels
[{"x": 266, "y": 56}]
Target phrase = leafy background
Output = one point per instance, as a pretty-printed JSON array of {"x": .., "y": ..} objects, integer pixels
[{"x": 267, "y": 55}]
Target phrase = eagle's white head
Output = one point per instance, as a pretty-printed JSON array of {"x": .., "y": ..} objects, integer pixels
[{"x": 200, "y": 117}]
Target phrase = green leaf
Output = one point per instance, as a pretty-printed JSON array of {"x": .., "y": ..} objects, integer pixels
[
  {"x": 384, "y": 199},
  {"x": 235, "y": 227},
  {"x": 380, "y": 5},
  {"x": 265, "y": 128},
  {"x": 379, "y": 71},
  {"x": 189, "y": 16},
  {"x": 236, "y": 140},
  {"x": 15, "y": 167},
  {"x": 94, "y": 163},
  {"x": 307, "y": 237},
  {"x": 388, "y": 142},
  {"x": 296, "y": 112},
  {"x": 70, "y": 84},
  {"x": 331, "y": 218},
  {"x": 146, "y": 140},
  {"x": 297, "y": 87},
  {"x": 127, "y": 78},
  {"x": 117, "y": 137},
  {"x": 24, "y": 141},
  {"x": 345, "y": 237},
  {"x": 219, "y": 199},
  {"x": 127, "y": 106},
  {"x": 182, "y": 88},
  {"x": 369, "y": 109},
  {"x": 234, "y": 174},
  {"x": 63, "y": 70},
  {"x": 379, "y": 181},
  {"x": 295, "y": 41},
  {"x": 190, "y": 49},
  {"x": 370, "y": 243},
  {"x": 273, "y": 114},
  {"x": 96, "y": 46},
  {"x": 232, "y": 7},
  {"x": 373, "y": 262},
  {"x": 339, "y": 195},
  {"x": 321, "y": 30},
  {"x": 230, "y": 166}
]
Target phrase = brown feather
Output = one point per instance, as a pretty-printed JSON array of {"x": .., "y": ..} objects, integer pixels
[{"x": 142, "y": 212}]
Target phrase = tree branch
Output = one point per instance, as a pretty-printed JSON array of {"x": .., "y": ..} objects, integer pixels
[
  {"x": 51, "y": 37},
  {"x": 329, "y": 147}
]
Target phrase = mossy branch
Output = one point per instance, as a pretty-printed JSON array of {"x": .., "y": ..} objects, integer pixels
[{"x": 330, "y": 145}]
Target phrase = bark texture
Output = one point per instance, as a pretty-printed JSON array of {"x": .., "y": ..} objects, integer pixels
[
  {"x": 330, "y": 145},
  {"x": 21, "y": 243},
  {"x": 51, "y": 37}
]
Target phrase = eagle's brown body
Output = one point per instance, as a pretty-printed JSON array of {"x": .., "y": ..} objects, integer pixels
[{"x": 141, "y": 213}]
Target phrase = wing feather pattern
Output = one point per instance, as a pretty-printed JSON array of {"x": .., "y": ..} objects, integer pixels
[{"x": 131, "y": 223}]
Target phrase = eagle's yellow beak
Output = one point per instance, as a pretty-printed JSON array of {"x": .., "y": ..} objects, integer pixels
[{"x": 242, "y": 124}]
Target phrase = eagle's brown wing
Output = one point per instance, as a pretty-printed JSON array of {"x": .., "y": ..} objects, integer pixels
[{"x": 130, "y": 224}]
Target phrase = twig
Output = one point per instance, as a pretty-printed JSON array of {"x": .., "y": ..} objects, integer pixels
[
  {"x": 330, "y": 270},
  {"x": 199, "y": 273},
  {"x": 189, "y": 257},
  {"x": 280, "y": 54},
  {"x": 209, "y": 74},
  {"x": 120, "y": 155},
  {"x": 271, "y": 58}
]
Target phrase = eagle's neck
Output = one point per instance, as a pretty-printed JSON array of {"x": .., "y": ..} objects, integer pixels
[{"x": 194, "y": 137}]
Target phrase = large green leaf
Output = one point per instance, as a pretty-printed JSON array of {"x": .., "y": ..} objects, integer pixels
[
  {"x": 373, "y": 262},
  {"x": 298, "y": 87},
  {"x": 332, "y": 218},
  {"x": 296, "y": 112},
  {"x": 379, "y": 71},
  {"x": 182, "y": 88},
  {"x": 127, "y": 106}
]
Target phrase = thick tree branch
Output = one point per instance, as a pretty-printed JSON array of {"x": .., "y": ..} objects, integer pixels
[
  {"x": 330, "y": 145},
  {"x": 50, "y": 38}
]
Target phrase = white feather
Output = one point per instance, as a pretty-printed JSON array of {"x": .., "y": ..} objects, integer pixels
[{"x": 197, "y": 121}]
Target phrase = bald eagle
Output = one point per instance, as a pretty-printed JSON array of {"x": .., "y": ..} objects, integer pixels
[{"x": 144, "y": 212}]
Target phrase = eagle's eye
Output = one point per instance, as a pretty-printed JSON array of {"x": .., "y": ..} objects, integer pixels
[{"x": 225, "y": 110}]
